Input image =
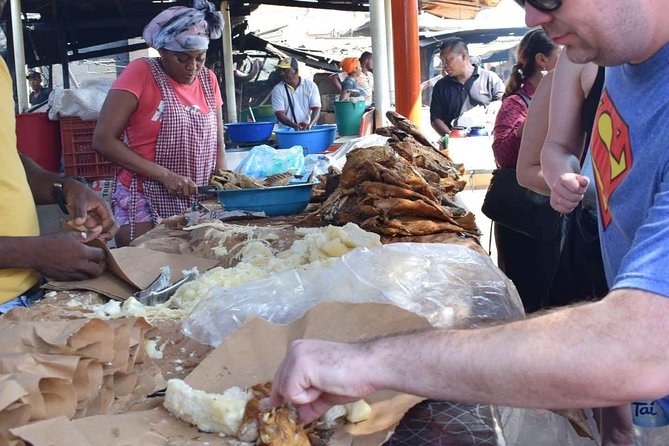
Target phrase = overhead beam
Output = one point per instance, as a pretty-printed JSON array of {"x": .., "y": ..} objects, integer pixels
[{"x": 339, "y": 6}]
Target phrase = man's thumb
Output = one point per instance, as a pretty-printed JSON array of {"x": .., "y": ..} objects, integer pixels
[{"x": 583, "y": 181}]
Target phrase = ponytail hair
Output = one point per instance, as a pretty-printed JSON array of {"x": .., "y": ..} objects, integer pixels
[
  {"x": 515, "y": 81},
  {"x": 534, "y": 42}
]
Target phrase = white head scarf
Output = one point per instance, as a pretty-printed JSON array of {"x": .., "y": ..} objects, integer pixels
[{"x": 185, "y": 29}]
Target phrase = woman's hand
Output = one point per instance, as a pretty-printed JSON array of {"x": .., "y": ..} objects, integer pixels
[
  {"x": 178, "y": 185},
  {"x": 567, "y": 192}
]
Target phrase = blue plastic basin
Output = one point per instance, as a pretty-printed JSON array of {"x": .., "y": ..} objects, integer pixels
[
  {"x": 247, "y": 132},
  {"x": 280, "y": 200},
  {"x": 316, "y": 140}
]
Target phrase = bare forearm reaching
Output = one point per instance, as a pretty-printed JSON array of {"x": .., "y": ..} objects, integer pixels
[
  {"x": 585, "y": 356},
  {"x": 440, "y": 127},
  {"x": 89, "y": 211},
  {"x": 40, "y": 181},
  {"x": 283, "y": 119},
  {"x": 315, "y": 113}
]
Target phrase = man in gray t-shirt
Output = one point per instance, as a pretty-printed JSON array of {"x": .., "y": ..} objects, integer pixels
[{"x": 464, "y": 87}]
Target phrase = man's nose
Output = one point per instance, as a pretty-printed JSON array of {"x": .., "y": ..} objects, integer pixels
[{"x": 534, "y": 17}]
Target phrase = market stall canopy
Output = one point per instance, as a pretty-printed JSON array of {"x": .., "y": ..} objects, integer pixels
[
  {"x": 92, "y": 28},
  {"x": 456, "y": 9}
]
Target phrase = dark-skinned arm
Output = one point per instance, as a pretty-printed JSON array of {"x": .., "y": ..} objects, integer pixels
[
  {"x": 60, "y": 256},
  {"x": 90, "y": 213},
  {"x": 315, "y": 113},
  {"x": 283, "y": 119},
  {"x": 114, "y": 117}
]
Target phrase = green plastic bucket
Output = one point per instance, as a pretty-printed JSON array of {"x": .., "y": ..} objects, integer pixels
[
  {"x": 348, "y": 116},
  {"x": 263, "y": 113}
]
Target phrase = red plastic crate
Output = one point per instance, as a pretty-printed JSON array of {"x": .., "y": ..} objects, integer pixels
[{"x": 79, "y": 158}]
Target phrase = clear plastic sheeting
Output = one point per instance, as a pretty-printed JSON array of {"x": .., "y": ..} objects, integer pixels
[
  {"x": 84, "y": 102},
  {"x": 263, "y": 161},
  {"x": 541, "y": 427},
  {"x": 449, "y": 285},
  {"x": 338, "y": 158}
]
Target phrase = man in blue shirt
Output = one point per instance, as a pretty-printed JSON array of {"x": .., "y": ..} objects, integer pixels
[{"x": 601, "y": 354}]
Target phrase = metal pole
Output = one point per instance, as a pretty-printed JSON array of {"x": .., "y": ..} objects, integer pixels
[
  {"x": 407, "y": 73},
  {"x": 228, "y": 68},
  {"x": 380, "y": 59},
  {"x": 19, "y": 56},
  {"x": 391, "y": 55}
]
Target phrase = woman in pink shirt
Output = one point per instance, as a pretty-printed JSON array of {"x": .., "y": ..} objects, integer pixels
[
  {"x": 162, "y": 121},
  {"x": 529, "y": 263}
]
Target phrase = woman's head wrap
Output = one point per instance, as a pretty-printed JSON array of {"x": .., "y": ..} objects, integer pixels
[
  {"x": 185, "y": 29},
  {"x": 349, "y": 64}
]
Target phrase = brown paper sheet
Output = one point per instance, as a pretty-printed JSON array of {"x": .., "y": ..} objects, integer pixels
[
  {"x": 152, "y": 427},
  {"x": 47, "y": 397},
  {"x": 251, "y": 355},
  {"x": 106, "y": 284},
  {"x": 87, "y": 380},
  {"x": 248, "y": 356},
  {"x": 91, "y": 338},
  {"x": 55, "y": 366},
  {"x": 56, "y": 431},
  {"x": 142, "y": 266},
  {"x": 132, "y": 269},
  {"x": 71, "y": 368}
]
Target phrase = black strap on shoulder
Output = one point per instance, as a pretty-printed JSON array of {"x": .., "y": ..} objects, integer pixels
[
  {"x": 524, "y": 97},
  {"x": 290, "y": 103}
]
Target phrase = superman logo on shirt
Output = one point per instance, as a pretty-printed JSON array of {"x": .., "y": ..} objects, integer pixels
[{"x": 611, "y": 154}]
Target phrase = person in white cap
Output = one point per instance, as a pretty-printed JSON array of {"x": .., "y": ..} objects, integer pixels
[{"x": 296, "y": 101}]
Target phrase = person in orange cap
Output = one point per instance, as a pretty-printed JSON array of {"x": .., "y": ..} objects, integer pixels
[{"x": 354, "y": 85}]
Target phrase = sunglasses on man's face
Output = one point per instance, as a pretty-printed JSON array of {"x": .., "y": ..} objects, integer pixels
[{"x": 542, "y": 5}]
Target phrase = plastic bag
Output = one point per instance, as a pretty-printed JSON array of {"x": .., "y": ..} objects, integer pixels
[
  {"x": 263, "y": 161},
  {"x": 537, "y": 426},
  {"x": 84, "y": 102},
  {"x": 338, "y": 158},
  {"x": 318, "y": 164},
  {"x": 450, "y": 285}
]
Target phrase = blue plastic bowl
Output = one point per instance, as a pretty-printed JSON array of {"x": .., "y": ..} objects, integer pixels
[
  {"x": 316, "y": 140},
  {"x": 247, "y": 132},
  {"x": 280, "y": 200}
]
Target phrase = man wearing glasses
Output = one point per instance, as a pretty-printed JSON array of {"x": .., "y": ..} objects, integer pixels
[
  {"x": 464, "y": 87},
  {"x": 600, "y": 354}
]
